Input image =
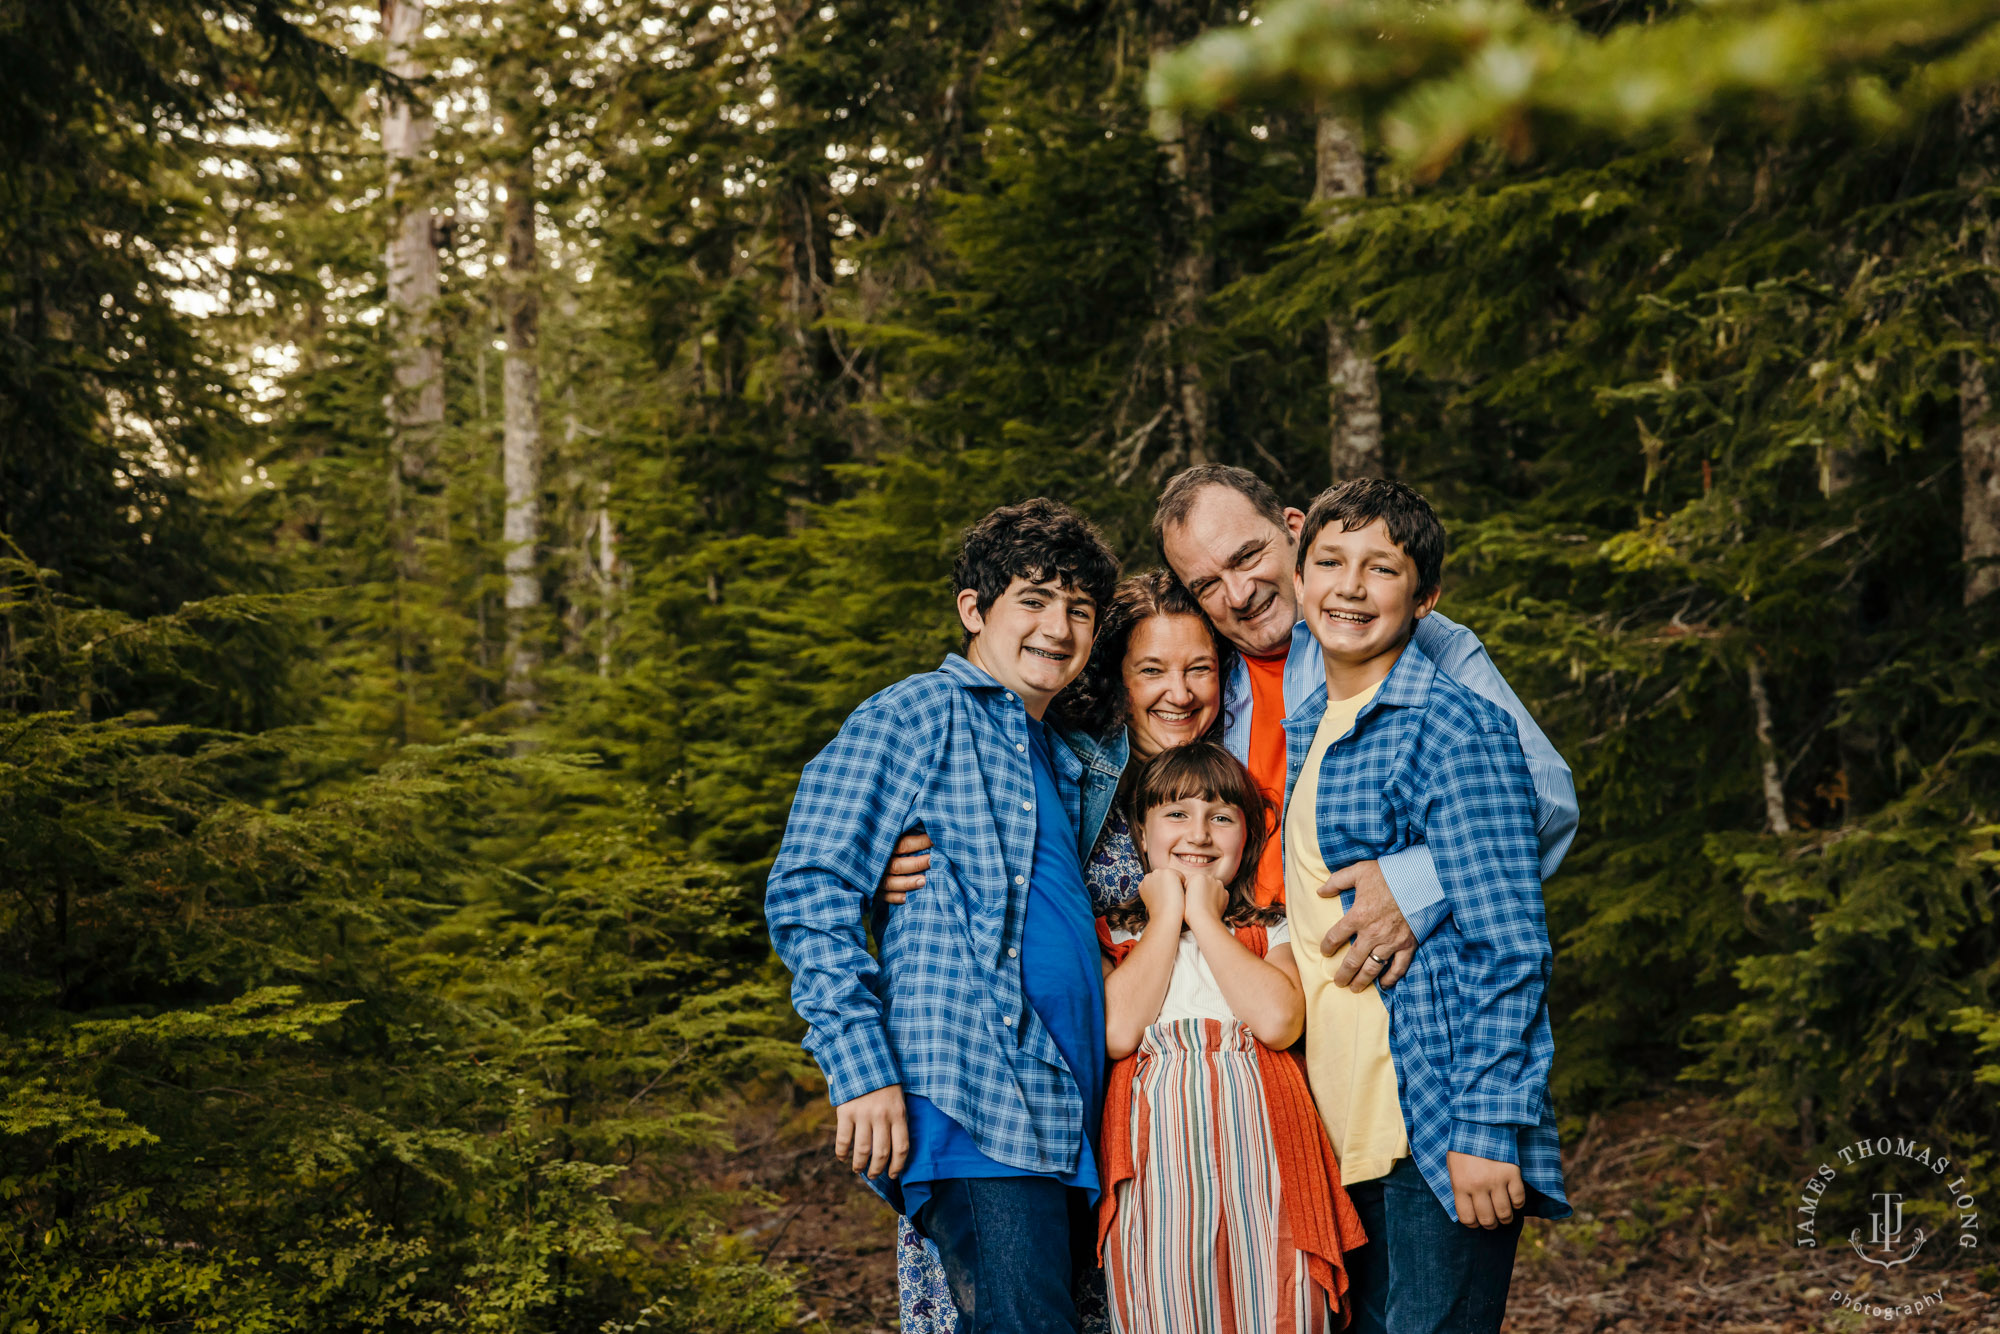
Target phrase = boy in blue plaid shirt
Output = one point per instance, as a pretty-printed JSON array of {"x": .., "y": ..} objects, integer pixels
[
  {"x": 965, "y": 1058},
  {"x": 1435, "y": 1093}
]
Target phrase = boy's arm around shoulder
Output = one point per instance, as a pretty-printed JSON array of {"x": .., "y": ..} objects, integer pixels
[
  {"x": 1481, "y": 829},
  {"x": 854, "y": 800}
]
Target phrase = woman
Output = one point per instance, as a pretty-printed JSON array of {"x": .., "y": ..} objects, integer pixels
[{"x": 1154, "y": 681}]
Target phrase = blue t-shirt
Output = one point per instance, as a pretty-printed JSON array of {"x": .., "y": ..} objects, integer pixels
[{"x": 1062, "y": 979}]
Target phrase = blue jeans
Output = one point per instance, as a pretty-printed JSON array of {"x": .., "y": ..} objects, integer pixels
[
  {"x": 1423, "y": 1271},
  {"x": 1009, "y": 1248}
]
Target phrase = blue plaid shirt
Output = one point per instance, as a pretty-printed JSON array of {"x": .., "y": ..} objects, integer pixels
[
  {"x": 1430, "y": 762},
  {"x": 941, "y": 1010},
  {"x": 1457, "y": 652}
]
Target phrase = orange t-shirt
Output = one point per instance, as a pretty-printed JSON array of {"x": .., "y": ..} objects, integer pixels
[{"x": 1267, "y": 764}]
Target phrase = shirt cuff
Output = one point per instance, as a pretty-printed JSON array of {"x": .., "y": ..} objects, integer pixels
[
  {"x": 1414, "y": 884},
  {"x": 1496, "y": 1143},
  {"x": 1555, "y": 813},
  {"x": 855, "y": 1062}
]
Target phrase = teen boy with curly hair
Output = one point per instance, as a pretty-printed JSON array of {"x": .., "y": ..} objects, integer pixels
[{"x": 965, "y": 1059}]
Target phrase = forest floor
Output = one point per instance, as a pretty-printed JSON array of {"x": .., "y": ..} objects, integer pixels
[{"x": 1674, "y": 1231}]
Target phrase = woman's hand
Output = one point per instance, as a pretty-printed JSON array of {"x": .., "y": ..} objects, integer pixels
[
  {"x": 1207, "y": 899},
  {"x": 1165, "y": 895},
  {"x": 905, "y": 875}
]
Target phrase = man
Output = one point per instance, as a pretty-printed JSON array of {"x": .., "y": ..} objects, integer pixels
[
  {"x": 965, "y": 1057},
  {"x": 1226, "y": 536}
]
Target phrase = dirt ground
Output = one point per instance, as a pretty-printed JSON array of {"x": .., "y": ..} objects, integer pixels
[{"x": 1673, "y": 1232}]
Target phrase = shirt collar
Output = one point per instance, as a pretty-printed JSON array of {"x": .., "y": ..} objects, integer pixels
[
  {"x": 960, "y": 669},
  {"x": 1302, "y": 637},
  {"x": 1408, "y": 684}
]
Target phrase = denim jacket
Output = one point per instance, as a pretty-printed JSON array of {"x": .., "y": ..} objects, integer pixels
[{"x": 1103, "y": 765}]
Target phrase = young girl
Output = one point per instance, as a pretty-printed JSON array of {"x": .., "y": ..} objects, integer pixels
[{"x": 1222, "y": 1205}]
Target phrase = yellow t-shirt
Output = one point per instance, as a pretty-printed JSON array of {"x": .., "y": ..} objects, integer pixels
[{"x": 1352, "y": 1073}]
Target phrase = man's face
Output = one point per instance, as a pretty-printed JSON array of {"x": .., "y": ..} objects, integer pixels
[
  {"x": 1358, "y": 593},
  {"x": 1033, "y": 639},
  {"x": 1238, "y": 564}
]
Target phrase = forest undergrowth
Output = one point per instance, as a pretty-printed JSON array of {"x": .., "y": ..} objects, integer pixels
[{"x": 1680, "y": 1228}]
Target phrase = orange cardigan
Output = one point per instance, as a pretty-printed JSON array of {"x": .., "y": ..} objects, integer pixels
[{"x": 1322, "y": 1218}]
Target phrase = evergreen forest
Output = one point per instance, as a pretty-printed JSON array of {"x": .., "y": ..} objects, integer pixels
[{"x": 460, "y": 458}]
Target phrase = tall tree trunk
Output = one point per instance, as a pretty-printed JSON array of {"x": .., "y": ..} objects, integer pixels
[
  {"x": 812, "y": 378},
  {"x": 521, "y": 431},
  {"x": 607, "y": 579},
  {"x": 798, "y": 294},
  {"x": 415, "y": 405},
  {"x": 1191, "y": 275},
  {"x": 1353, "y": 399},
  {"x": 1978, "y": 423},
  {"x": 416, "y": 401},
  {"x": 1767, "y": 749}
]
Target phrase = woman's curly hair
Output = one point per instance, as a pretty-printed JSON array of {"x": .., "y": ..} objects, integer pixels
[{"x": 1095, "y": 702}]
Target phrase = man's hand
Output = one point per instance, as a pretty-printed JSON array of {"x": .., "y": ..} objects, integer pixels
[
  {"x": 1383, "y": 942},
  {"x": 907, "y": 867},
  {"x": 1487, "y": 1192},
  {"x": 873, "y": 1132}
]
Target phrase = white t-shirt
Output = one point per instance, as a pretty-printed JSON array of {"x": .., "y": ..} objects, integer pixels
[{"x": 1191, "y": 990}]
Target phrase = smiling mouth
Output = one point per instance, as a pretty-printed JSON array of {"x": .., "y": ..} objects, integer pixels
[
  {"x": 1251, "y": 611},
  {"x": 1046, "y": 653},
  {"x": 1173, "y": 717},
  {"x": 1196, "y": 858},
  {"x": 1350, "y": 617}
]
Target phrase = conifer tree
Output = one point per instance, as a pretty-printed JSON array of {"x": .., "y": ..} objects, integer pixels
[
  {"x": 1978, "y": 425},
  {"x": 1715, "y": 260},
  {"x": 416, "y": 407},
  {"x": 1354, "y": 400}
]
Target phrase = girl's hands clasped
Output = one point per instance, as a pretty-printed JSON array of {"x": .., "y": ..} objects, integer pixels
[
  {"x": 1207, "y": 899},
  {"x": 1165, "y": 895}
]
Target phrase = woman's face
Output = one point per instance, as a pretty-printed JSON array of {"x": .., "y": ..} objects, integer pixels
[{"x": 1173, "y": 688}]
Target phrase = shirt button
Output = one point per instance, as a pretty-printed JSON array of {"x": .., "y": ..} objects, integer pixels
[
  {"x": 1027, "y": 805},
  {"x": 1010, "y": 694},
  {"x": 1013, "y": 953},
  {"x": 1020, "y": 880},
  {"x": 1019, "y": 746},
  {"x": 1007, "y": 1019}
]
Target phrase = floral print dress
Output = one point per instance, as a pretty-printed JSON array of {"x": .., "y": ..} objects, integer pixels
[
  {"x": 1113, "y": 872},
  {"x": 1112, "y": 875},
  {"x": 926, "y": 1299}
]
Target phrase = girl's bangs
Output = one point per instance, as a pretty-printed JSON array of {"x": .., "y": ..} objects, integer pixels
[{"x": 1202, "y": 771}]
